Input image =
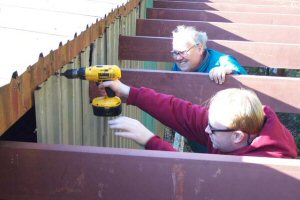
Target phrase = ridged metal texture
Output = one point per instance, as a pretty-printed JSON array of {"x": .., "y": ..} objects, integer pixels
[
  {"x": 16, "y": 98},
  {"x": 63, "y": 109}
]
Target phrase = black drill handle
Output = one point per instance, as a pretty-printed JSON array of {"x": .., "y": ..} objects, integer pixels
[{"x": 110, "y": 92}]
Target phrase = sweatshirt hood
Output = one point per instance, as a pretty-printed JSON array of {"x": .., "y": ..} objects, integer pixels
[{"x": 274, "y": 140}]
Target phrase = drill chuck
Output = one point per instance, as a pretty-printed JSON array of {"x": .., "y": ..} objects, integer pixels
[{"x": 74, "y": 73}]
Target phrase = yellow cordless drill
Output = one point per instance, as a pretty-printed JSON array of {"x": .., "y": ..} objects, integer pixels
[{"x": 109, "y": 105}]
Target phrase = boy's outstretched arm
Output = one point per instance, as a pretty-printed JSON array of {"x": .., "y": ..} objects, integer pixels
[{"x": 133, "y": 129}]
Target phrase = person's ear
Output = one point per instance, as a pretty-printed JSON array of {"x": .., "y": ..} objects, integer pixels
[
  {"x": 239, "y": 136},
  {"x": 199, "y": 46}
]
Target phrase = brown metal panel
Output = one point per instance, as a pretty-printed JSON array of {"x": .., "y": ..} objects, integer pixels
[
  {"x": 144, "y": 48},
  {"x": 196, "y": 84},
  {"x": 258, "y": 2},
  {"x": 227, "y": 7},
  {"x": 222, "y": 31},
  {"x": 10, "y": 103},
  {"x": 220, "y": 16},
  {"x": 276, "y": 55},
  {"x": 39, "y": 171}
]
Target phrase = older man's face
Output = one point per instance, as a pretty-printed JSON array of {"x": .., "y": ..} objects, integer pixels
[{"x": 187, "y": 56}]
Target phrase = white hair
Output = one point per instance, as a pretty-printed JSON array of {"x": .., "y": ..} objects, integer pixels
[{"x": 189, "y": 34}]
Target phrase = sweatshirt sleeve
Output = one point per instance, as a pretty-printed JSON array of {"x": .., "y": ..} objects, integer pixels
[
  {"x": 188, "y": 119},
  {"x": 156, "y": 143}
]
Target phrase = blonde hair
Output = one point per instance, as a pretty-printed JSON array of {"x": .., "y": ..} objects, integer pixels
[
  {"x": 241, "y": 108},
  {"x": 189, "y": 34}
]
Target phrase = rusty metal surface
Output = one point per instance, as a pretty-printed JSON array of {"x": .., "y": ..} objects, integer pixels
[
  {"x": 278, "y": 55},
  {"x": 227, "y": 7},
  {"x": 196, "y": 84},
  {"x": 220, "y": 16},
  {"x": 222, "y": 31},
  {"x": 258, "y": 2},
  {"x": 16, "y": 98},
  {"x": 39, "y": 171}
]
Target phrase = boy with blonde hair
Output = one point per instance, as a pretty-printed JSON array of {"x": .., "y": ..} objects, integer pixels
[{"x": 235, "y": 122}]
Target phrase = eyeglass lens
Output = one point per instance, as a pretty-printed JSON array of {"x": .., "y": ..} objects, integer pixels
[{"x": 182, "y": 53}]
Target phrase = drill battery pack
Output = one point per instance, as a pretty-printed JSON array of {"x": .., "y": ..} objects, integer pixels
[{"x": 107, "y": 106}]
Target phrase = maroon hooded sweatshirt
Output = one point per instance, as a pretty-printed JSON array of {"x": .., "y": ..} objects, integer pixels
[{"x": 274, "y": 140}]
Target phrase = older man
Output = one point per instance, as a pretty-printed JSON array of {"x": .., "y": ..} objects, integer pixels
[{"x": 192, "y": 55}]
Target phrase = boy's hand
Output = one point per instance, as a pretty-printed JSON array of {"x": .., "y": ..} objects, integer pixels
[
  {"x": 132, "y": 129},
  {"x": 117, "y": 86}
]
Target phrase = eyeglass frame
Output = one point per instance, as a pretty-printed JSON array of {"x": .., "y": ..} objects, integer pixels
[
  {"x": 213, "y": 130},
  {"x": 182, "y": 53}
]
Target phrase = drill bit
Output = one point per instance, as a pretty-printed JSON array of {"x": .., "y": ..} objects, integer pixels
[{"x": 70, "y": 73}]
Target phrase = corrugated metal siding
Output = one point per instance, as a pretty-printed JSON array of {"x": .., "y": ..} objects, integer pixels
[
  {"x": 16, "y": 98},
  {"x": 58, "y": 107},
  {"x": 63, "y": 109}
]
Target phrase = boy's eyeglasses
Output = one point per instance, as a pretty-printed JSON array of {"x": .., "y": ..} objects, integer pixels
[
  {"x": 182, "y": 53},
  {"x": 214, "y": 130}
]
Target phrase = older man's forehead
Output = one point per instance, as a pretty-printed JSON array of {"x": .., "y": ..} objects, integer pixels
[{"x": 181, "y": 43}]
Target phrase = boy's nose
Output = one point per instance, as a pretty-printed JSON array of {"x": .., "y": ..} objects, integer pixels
[{"x": 207, "y": 130}]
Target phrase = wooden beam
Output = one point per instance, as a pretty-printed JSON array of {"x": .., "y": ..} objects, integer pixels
[
  {"x": 252, "y": 54},
  {"x": 41, "y": 171},
  {"x": 223, "y": 16},
  {"x": 195, "y": 87},
  {"x": 222, "y": 31},
  {"x": 258, "y": 2},
  {"x": 227, "y": 7}
]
